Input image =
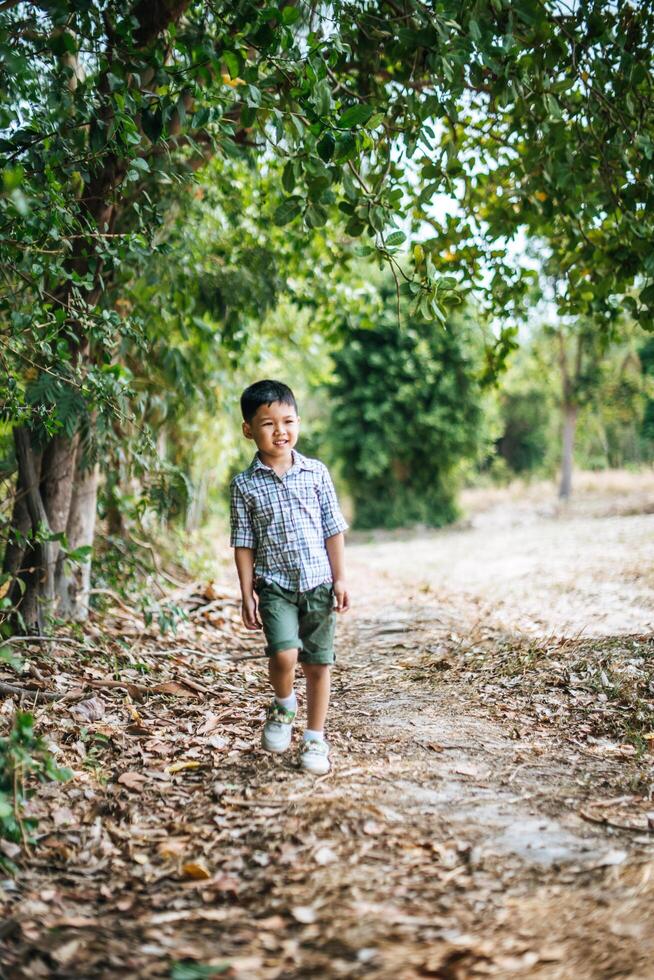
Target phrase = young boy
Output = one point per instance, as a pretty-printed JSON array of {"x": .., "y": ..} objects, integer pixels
[{"x": 287, "y": 532}]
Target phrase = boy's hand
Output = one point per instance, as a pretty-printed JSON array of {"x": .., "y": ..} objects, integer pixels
[
  {"x": 250, "y": 613},
  {"x": 341, "y": 596}
]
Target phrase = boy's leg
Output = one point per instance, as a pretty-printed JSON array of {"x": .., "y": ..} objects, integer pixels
[
  {"x": 279, "y": 616},
  {"x": 317, "y": 623},
  {"x": 281, "y": 671},
  {"x": 318, "y": 687}
]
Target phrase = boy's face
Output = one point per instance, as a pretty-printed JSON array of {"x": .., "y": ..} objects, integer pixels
[{"x": 274, "y": 428}]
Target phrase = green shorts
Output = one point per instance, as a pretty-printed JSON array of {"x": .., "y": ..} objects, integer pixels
[{"x": 302, "y": 620}]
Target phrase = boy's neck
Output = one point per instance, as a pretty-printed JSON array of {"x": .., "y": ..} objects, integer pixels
[{"x": 280, "y": 464}]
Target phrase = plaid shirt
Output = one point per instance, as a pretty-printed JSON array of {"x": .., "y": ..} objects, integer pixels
[{"x": 286, "y": 520}]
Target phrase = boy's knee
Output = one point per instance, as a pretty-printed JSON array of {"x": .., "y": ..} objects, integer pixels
[
  {"x": 313, "y": 672},
  {"x": 285, "y": 659}
]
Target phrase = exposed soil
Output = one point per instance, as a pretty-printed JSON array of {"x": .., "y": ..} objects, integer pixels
[{"x": 489, "y": 812}]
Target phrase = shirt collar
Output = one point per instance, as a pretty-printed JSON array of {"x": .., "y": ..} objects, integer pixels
[{"x": 298, "y": 461}]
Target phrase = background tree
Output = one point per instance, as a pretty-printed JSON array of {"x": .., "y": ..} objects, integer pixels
[
  {"x": 608, "y": 391},
  {"x": 405, "y": 413}
]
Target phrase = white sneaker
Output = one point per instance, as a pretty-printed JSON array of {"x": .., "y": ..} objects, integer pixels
[
  {"x": 277, "y": 731},
  {"x": 314, "y": 757}
]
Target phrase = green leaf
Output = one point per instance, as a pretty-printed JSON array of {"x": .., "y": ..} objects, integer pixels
[
  {"x": 355, "y": 227},
  {"x": 317, "y": 187},
  {"x": 63, "y": 42},
  {"x": 346, "y": 147},
  {"x": 325, "y": 148},
  {"x": 114, "y": 81},
  {"x": 288, "y": 177},
  {"x": 197, "y": 971},
  {"x": 248, "y": 116},
  {"x": 377, "y": 218},
  {"x": 356, "y": 115},
  {"x": 290, "y": 15},
  {"x": 81, "y": 554},
  {"x": 553, "y": 106},
  {"x": 322, "y": 97},
  {"x": 315, "y": 216},
  {"x": 287, "y": 210},
  {"x": 151, "y": 123},
  {"x": 232, "y": 63},
  {"x": 395, "y": 238}
]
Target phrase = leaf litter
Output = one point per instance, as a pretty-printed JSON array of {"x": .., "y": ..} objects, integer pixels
[{"x": 452, "y": 838}]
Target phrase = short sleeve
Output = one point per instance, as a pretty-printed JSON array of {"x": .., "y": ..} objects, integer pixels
[
  {"x": 242, "y": 533},
  {"x": 333, "y": 521}
]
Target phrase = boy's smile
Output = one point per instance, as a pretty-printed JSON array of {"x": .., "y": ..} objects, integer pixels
[{"x": 275, "y": 429}]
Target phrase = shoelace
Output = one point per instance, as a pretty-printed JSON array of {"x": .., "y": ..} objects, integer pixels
[
  {"x": 321, "y": 747},
  {"x": 280, "y": 715}
]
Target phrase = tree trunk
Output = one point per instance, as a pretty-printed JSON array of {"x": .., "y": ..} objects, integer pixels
[
  {"x": 197, "y": 505},
  {"x": 46, "y": 483},
  {"x": 567, "y": 458},
  {"x": 21, "y": 524},
  {"x": 72, "y": 584},
  {"x": 57, "y": 475},
  {"x": 58, "y": 494},
  {"x": 37, "y": 603}
]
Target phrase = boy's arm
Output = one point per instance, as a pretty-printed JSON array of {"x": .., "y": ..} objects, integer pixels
[
  {"x": 335, "y": 546},
  {"x": 243, "y": 541},
  {"x": 333, "y": 526},
  {"x": 244, "y": 558}
]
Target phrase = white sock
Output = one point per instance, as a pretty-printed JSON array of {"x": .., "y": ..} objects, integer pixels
[
  {"x": 312, "y": 735},
  {"x": 290, "y": 702}
]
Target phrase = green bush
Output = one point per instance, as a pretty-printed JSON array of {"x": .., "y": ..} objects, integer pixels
[
  {"x": 23, "y": 754},
  {"x": 405, "y": 413},
  {"x": 525, "y": 417}
]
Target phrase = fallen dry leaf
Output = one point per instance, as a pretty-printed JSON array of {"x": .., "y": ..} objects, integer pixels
[
  {"x": 67, "y": 952},
  {"x": 196, "y": 869},
  {"x": 304, "y": 913},
  {"x": 91, "y": 710},
  {"x": 180, "y": 766},
  {"x": 173, "y": 848},
  {"x": 217, "y": 742},
  {"x": 132, "y": 779},
  {"x": 325, "y": 855},
  {"x": 210, "y": 723},
  {"x": 173, "y": 687}
]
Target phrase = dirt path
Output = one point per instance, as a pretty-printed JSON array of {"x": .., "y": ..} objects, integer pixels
[
  {"x": 528, "y": 565},
  {"x": 474, "y": 823},
  {"x": 479, "y": 821}
]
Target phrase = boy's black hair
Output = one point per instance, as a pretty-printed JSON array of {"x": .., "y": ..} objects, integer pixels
[{"x": 265, "y": 393}]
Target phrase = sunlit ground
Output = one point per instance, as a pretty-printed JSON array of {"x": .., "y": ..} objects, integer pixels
[{"x": 538, "y": 565}]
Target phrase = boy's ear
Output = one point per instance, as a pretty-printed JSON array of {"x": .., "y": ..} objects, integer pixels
[{"x": 247, "y": 431}]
